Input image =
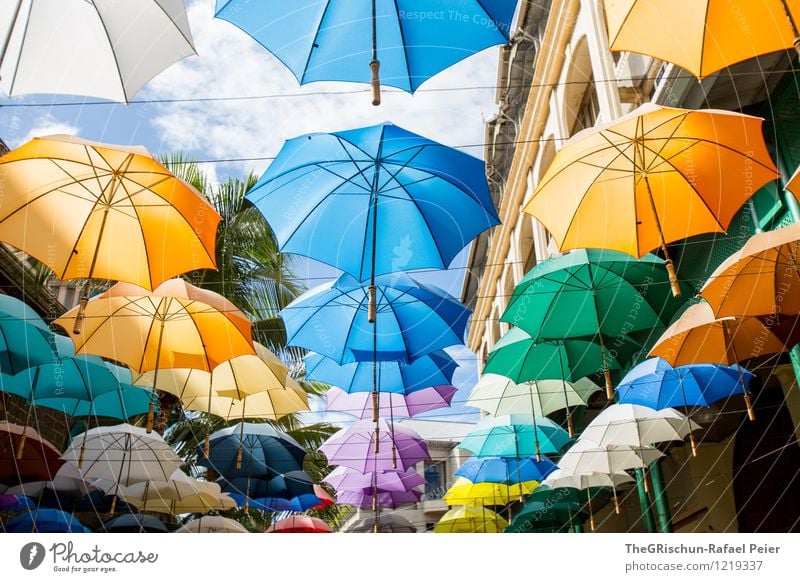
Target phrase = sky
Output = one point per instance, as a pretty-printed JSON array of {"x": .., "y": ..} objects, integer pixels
[{"x": 230, "y": 66}]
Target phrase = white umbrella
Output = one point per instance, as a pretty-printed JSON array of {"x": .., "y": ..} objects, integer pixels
[
  {"x": 67, "y": 480},
  {"x": 564, "y": 479},
  {"x": 100, "y": 48},
  {"x": 212, "y": 524},
  {"x": 588, "y": 457},
  {"x": 635, "y": 425},
  {"x": 498, "y": 395}
]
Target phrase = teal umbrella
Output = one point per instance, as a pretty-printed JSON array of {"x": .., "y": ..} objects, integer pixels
[
  {"x": 516, "y": 436},
  {"x": 23, "y": 345},
  {"x": 120, "y": 403}
]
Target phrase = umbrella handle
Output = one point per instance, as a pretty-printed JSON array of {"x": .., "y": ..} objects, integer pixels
[
  {"x": 82, "y": 454},
  {"x": 609, "y": 384},
  {"x": 150, "y": 416},
  {"x": 371, "y": 305},
  {"x": 673, "y": 277},
  {"x": 751, "y": 413},
  {"x": 207, "y": 446},
  {"x": 693, "y": 443},
  {"x": 375, "y": 67},
  {"x": 617, "y": 508},
  {"x": 21, "y": 446},
  {"x": 570, "y": 425},
  {"x": 78, "y": 326}
]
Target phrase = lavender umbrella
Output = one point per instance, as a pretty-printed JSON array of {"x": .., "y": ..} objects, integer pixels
[
  {"x": 388, "y": 500},
  {"x": 354, "y": 447},
  {"x": 359, "y": 404},
  {"x": 345, "y": 479}
]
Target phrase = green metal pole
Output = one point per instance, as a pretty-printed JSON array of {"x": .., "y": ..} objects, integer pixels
[
  {"x": 644, "y": 501},
  {"x": 662, "y": 503},
  {"x": 794, "y": 210}
]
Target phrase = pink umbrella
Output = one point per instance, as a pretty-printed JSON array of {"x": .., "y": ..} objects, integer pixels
[
  {"x": 300, "y": 524},
  {"x": 345, "y": 479},
  {"x": 359, "y": 404},
  {"x": 398, "y": 447},
  {"x": 388, "y": 500}
]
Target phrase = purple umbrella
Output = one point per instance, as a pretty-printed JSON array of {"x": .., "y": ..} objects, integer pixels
[
  {"x": 389, "y": 500},
  {"x": 345, "y": 479},
  {"x": 398, "y": 447},
  {"x": 359, "y": 404}
]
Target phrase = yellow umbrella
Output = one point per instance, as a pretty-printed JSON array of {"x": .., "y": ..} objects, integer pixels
[
  {"x": 699, "y": 337},
  {"x": 702, "y": 36},
  {"x": 149, "y": 331},
  {"x": 469, "y": 519},
  {"x": 94, "y": 211},
  {"x": 654, "y": 176},
  {"x": 465, "y": 492},
  {"x": 269, "y": 405},
  {"x": 761, "y": 278},
  {"x": 197, "y": 503}
]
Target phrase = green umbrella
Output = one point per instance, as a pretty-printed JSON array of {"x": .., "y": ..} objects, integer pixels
[
  {"x": 596, "y": 294},
  {"x": 553, "y": 510}
]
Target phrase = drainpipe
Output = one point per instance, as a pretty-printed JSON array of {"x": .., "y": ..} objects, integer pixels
[
  {"x": 644, "y": 501},
  {"x": 660, "y": 493}
]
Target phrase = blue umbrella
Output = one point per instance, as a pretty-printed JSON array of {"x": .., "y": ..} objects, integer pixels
[
  {"x": 413, "y": 320},
  {"x": 134, "y": 523},
  {"x": 46, "y": 521},
  {"x": 506, "y": 471},
  {"x": 405, "y": 41},
  {"x": 656, "y": 384},
  {"x": 324, "y": 193},
  {"x": 16, "y": 503},
  {"x": 434, "y": 369},
  {"x": 262, "y": 503}
]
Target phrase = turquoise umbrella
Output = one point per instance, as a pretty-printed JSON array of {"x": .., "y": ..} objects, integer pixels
[
  {"x": 516, "y": 436},
  {"x": 120, "y": 403},
  {"x": 23, "y": 345}
]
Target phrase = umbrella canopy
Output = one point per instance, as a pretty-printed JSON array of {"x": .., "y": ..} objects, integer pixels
[
  {"x": 634, "y": 425},
  {"x": 26, "y": 456},
  {"x": 67, "y": 480},
  {"x": 385, "y": 500},
  {"x": 760, "y": 278},
  {"x": 268, "y": 405},
  {"x": 548, "y": 512},
  {"x": 588, "y": 457},
  {"x": 515, "y": 435},
  {"x": 46, "y": 521},
  {"x": 103, "y": 211},
  {"x": 470, "y": 519},
  {"x": 300, "y": 524},
  {"x": 562, "y": 479},
  {"x": 398, "y": 447},
  {"x": 346, "y": 479},
  {"x": 202, "y": 502},
  {"x": 702, "y": 37},
  {"x": 16, "y": 503},
  {"x": 211, "y": 524},
  {"x": 308, "y": 39},
  {"x": 23, "y": 345},
  {"x": 656, "y": 384},
  {"x": 505, "y": 471},
  {"x": 667, "y": 173},
  {"x": 123, "y": 454},
  {"x": 389, "y": 523},
  {"x": 121, "y": 403},
  {"x": 13, "y": 308},
  {"x": 360, "y": 405},
  {"x": 252, "y": 450},
  {"x": 465, "y": 492},
  {"x": 499, "y": 395},
  {"x": 433, "y": 369},
  {"x": 100, "y": 49},
  {"x": 178, "y": 486},
  {"x": 412, "y": 320},
  {"x": 428, "y": 200},
  {"x": 134, "y": 523}
]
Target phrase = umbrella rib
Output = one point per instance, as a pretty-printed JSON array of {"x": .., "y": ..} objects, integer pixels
[
  {"x": 113, "y": 52},
  {"x": 314, "y": 40},
  {"x": 407, "y": 60},
  {"x": 175, "y": 25},
  {"x": 141, "y": 230}
]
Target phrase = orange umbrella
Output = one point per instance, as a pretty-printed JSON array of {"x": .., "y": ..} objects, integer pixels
[
  {"x": 702, "y": 36},
  {"x": 761, "y": 278},
  {"x": 651, "y": 177}
]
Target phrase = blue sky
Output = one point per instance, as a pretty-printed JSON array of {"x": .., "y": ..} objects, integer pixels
[{"x": 235, "y": 68}]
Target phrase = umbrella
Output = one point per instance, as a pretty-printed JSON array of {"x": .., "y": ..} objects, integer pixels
[
  {"x": 264, "y": 503},
  {"x": 25, "y": 455},
  {"x": 470, "y": 519},
  {"x": 548, "y": 511},
  {"x": 699, "y": 337},
  {"x": 268, "y": 405},
  {"x": 103, "y": 212},
  {"x": 498, "y": 395},
  {"x": 201, "y": 502},
  {"x": 433, "y": 369},
  {"x": 355, "y": 447},
  {"x": 505, "y": 471},
  {"x": 656, "y": 384},
  {"x": 134, "y": 523},
  {"x": 562, "y": 479},
  {"x": 515, "y": 435},
  {"x": 760, "y": 278},
  {"x": 359, "y": 404},
  {"x": 636, "y": 426},
  {"x": 13, "y": 308},
  {"x": 211, "y": 524},
  {"x": 101, "y": 49},
  {"x": 67, "y": 480},
  {"x": 465, "y": 492},
  {"x": 23, "y": 345},
  {"x": 412, "y": 320},
  {"x": 667, "y": 173},
  {"x": 428, "y": 200},
  {"x": 597, "y": 289},
  {"x": 300, "y": 524},
  {"x": 385, "y": 499},
  {"x": 390, "y": 523},
  {"x": 346, "y": 479},
  {"x": 16, "y": 503},
  {"x": 703, "y": 37},
  {"x": 252, "y": 450},
  {"x": 122, "y": 403},
  {"x": 178, "y": 486},
  {"x": 46, "y": 521},
  {"x": 334, "y": 41},
  {"x": 588, "y": 457}
]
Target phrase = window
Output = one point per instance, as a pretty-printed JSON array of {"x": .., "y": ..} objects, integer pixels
[
  {"x": 589, "y": 109},
  {"x": 434, "y": 473}
]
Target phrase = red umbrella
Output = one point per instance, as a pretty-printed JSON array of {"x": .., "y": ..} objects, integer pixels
[
  {"x": 324, "y": 498},
  {"x": 300, "y": 524},
  {"x": 25, "y": 455}
]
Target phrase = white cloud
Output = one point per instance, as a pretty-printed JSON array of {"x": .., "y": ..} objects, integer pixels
[{"x": 47, "y": 124}]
